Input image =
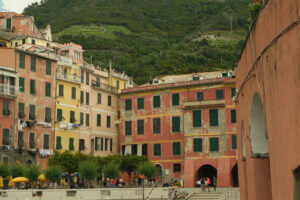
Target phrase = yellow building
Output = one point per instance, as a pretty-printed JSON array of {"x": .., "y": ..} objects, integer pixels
[{"x": 119, "y": 80}]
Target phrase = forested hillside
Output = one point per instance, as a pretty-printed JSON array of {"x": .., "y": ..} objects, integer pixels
[{"x": 150, "y": 37}]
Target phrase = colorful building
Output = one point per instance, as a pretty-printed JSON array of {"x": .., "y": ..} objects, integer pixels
[{"x": 185, "y": 124}]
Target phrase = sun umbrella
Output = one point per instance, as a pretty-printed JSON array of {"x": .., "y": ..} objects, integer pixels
[
  {"x": 1, "y": 182},
  {"x": 20, "y": 179},
  {"x": 42, "y": 177},
  {"x": 10, "y": 183}
]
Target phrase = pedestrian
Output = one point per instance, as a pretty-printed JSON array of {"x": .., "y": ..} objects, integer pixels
[
  {"x": 214, "y": 181},
  {"x": 208, "y": 184},
  {"x": 202, "y": 181}
]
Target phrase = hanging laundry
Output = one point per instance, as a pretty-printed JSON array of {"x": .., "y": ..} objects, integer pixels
[
  {"x": 63, "y": 125},
  {"x": 44, "y": 124},
  {"x": 21, "y": 124}
]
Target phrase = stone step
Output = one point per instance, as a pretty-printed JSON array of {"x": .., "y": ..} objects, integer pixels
[{"x": 207, "y": 196}]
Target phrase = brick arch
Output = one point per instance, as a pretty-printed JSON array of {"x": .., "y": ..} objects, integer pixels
[{"x": 206, "y": 170}]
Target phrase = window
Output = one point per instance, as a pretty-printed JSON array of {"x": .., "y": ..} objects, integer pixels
[
  {"x": 8, "y": 23},
  {"x": 98, "y": 81},
  {"x": 97, "y": 143},
  {"x": 87, "y": 80},
  {"x": 176, "y": 167},
  {"x": 106, "y": 144},
  {"x": 111, "y": 145},
  {"x": 87, "y": 98},
  {"x": 140, "y": 127},
  {"x": 197, "y": 144},
  {"x": 20, "y": 138},
  {"x": 157, "y": 150},
  {"x": 48, "y": 44},
  {"x": 144, "y": 150},
  {"x": 48, "y": 115},
  {"x": 175, "y": 124},
  {"x": 197, "y": 119},
  {"x": 22, "y": 84},
  {"x": 219, "y": 94},
  {"x": 128, "y": 104},
  {"x": 46, "y": 141},
  {"x": 108, "y": 121},
  {"x": 21, "y": 113},
  {"x": 81, "y": 144},
  {"x": 98, "y": 120},
  {"x": 128, "y": 127},
  {"x": 61, "y": 90},
  {"x": 233, "y": 116},
  {"x": 6, "y": 108},
  {"x": 23, "y": 41},
  {"x": 81, "y": 97},
  {"x": 32, "y": 112},
  {"x": 59, "y": 116},
  {"x": 233, "y": 141},
  {"x": 156, "y": 125},
  {"x": 32, "y": 86},
  {"x": 176, "y": 148},
  {"x": 71, "y": 144},
  {"x": 175, "y": 99},
  {"x": 73, "y": 93},
  {"x": 33, "y": 64},
  {"x": 140, "y": 102},
  {"x": 134, "y": 149},
  {"x": 101, "y": 144},
  {"x": 32, "y": 41},
  {"x": 22, "y": 61},
  {"x": 81, "y": 118},
  {"x": 213, "y": 117},
  {"x": 99, "y": 98},
  {"x": 118, "y": 84},
  {"x": 232, "y": 92},
  {"x": 5, "y": 140},
  {"x": 224, "y": 74},
  {"x": 48, "y": 89},
  {"x": 213, "y": 144},
  {"x": 72, "y": 117},
  {"x": 58, "y": 142},
  {"x": 87, "y": 119},
  {"x": 109, "y": 100},
  {"x": 82, "y": 76},
  {"x": 199, "y": 96},
  {"x": 196, "y": 78},
  {"x": 156, "y": 101},
  {"x": 77, "y": 54},
  {"x": 31, "y": 140}
]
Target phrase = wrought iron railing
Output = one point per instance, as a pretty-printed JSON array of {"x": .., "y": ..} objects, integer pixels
[
  {"x": 109, "y": 88},
  {"x": 6, "y": 89}
]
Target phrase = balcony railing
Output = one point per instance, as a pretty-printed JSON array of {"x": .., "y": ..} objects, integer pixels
[
  {"x": 102, "y": 86},
  {"x": 8, "y": 90},
  {"x": 68, "y": 77}
]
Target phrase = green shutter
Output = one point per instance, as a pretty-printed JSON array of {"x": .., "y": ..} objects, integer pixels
[
  {"x": 99, "y": 98},
  {"x": 128, "y": 127},
  {"x": 140, "y": 103},
  {"x": 31, "y": 140},
  {"x": 197, "y": 144},
  {"x": 32, "y": 86},
  {"x": 197, "y": 119},
  {"x": 71, "y": 144},
  {"x": 33, "y": 64},
  {"x": 59, "y": 115},
  {"x": 87, "y": 78},
  {"x": 128, "y": 104},
  {"x": 219, "y": 94},
  {"x": 32, "y": 112},
  {"x": 72, "y": 117},
  {"x": 145, "y": 150},
  {"x": 81, "y": 97},
  {"x": 108, "y": 100},
  {"x": 157, "y": 149},
  {"x": 8, "y": 23},
  {"x": 232, "y": 92},
  {"x": 58, "y": 142},
  {"x": 87, "y": 98},
  {"x": 214, "y": 144},
  {"x": 200, "y": 96},
  {"x": 111, "y": 145},
  {"x": 20, "y": 138},
  {"x": 118, "y": 84},
  {"x": 233, "y": 141},
  {"x": 101, "y": 144},
  {"x": 108, "y": 121},
  {"x": 87, "y": 119},
  {"x": 82, "y": 76},
  {"x": 106, "y": 144},
  {"x": 175, "y": 124},
  {"x": 46, "y": 141},
  {"x": 48, "y": 67},
  {"x": 156, "y": 101},
  {"x": 140, "y": 127},
  {"x": 6, "y": 106},
  {"x": 213, "y": 117},
  {"x": 175, "y": 99},
  {"x": 48, "y": 114},
  {"x": 96, "y": 143},
  {"x": 98, "y": 120},
  {"x": 22, "y": 84},
  {"x": 233, "y": 116},
  {"x": 176, "y": 148},
  {"x": 22, "y": 61},
  {"x": 134, "y": 149},
  {"x": 73, "y": 93},
  {"x": 61, "y": 90},
  {"x": 48, "y": 89},
  {"x": 156, "y": 126},
  {"x": 21, "y": 113},
  {"x": 5, "y": 139},
  {"x": 81, "y": 118}
]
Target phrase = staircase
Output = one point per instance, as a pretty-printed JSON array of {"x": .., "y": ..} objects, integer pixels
[{"x": 208, "y": 196}]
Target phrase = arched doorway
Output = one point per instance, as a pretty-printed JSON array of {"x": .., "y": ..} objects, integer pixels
[
  {"x": 297, "y": 183},
  {"x": 158, "y": 171},
  {"x": 235, "y": 176},
  {"x": 207, "y": 171}
]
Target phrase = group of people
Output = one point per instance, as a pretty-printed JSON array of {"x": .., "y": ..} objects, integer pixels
[{"x": 206, "y": 182}]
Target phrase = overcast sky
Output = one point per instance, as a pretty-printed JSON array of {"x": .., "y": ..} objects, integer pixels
[{"x": 15, "y": 5}]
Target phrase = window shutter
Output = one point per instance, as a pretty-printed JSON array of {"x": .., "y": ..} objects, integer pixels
[
  {"x": 200, "y": 96},
  {"x": 72, "y": 116},
  {"x": 106, "y": 144},
  {"x": 98, "y": 120},
  {"x": 6, "y": 110},
  {"x": 61, "y": 90},
  {"x": 73, "y": 93},
  {"x": 82, "y": 76},
  {"x": 213, "y": 117},
  {"x": 48, "y": 67},
  {"x": 140, "y": 127},
  {"x": 197, "y": 144},
  {"x": 145, "y": 150},
  {"x": 108, "y": 100},
  {"x": 20, "y": 138},
  {"x": 87, "y": 78},
  {"x": 81, "y": 97},
  {"x": 197, "y": 119},
  {"x": 87, "y": 119},
  {"x": 175, "y": 99},
  {"x": 233, "y": 116},
  {"x": 46, "y": 141},
  {"x": 33, "y": 64},
  {"x": 5, "y": 139},
  {"x": 22, "y": 61},
  {"x": 140, "y": 103},
  {"x": 156, "y": 101},
  {"x": 219, "y": 94},
  {"x": 22, "y": 84},
  {"x": 8, "y": 23},
  {"x": 175, "y": 124},
  {"x": 21, "y": 113},
  {"x": 71, "y": 144},
  {"x": 128, "y": 127},
  {"x": 128, "y": 104},
  {"x": 32, "y": 86},
  {"x": 87, "y": 98},
  {"x": 111, "y": 144},
  {"x": 48, "y": 114},
  {"x": 108, "y": 121},
  {"x": 157, "y": 149},
  {"x": 134, "y": 149},
  {"x": 58, "y": 142},
  {"x": 176, "y": 148},
  {"x": 99, "y": 98},
  {"x": 32, "y": 112},
  {"x": 233, "y": 141},
  {"x": 101, "y": 143},
  {"x": 214, "y": 144},
  {"x": 48, "y": 89},
  {"x": 232, "y": 92},
  {"x": 31, "y": 140},
  {"x": 96, "y": 143},
  {"x": 156, "y": 126},
  {"x": 59, "y": 115}
]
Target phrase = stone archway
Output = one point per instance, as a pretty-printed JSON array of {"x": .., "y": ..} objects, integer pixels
[
  {"x": 297, "y": 183},
  {"x": 235, "y": 176},
  {"x": 207, "y": 171}
]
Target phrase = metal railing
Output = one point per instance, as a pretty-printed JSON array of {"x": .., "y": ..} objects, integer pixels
[
  {"x": 8, "y": 90},
  {"x": 109, "y": 88},
  {"x": 68, "y": 77}
]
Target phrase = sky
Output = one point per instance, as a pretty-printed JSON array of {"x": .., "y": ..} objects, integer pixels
[{"x": 15, "y": 5}]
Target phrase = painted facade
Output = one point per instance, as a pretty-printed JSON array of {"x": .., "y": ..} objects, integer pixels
[
  {"x": 158, "y": 120},
  {"x": 268, "y": 105}
]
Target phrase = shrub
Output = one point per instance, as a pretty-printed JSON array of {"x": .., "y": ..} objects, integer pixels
[
  {"x": 111, "y": 171},
  {"x": 32, "y": 173},
  {"x": 53, "y": 173},
  {"x": 17, "y": 170},
  {"x": 4, "y": 170},
  {"x": 88, "y": 170},
  {"x": 147, "y": 169}
]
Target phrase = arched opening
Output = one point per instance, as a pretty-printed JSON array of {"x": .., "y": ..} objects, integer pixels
[
  {"x": 243, "y": 140},
  {"x": 297, "y": 183},
  {"x": 207, "y": 171},
  {"x": 235, "y": 176},
  {"x": 92, "y": 146},
  {"x": 158, "y": 171}
]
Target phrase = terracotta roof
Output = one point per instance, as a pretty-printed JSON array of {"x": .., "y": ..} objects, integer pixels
[{"x": 2, "y": 14}]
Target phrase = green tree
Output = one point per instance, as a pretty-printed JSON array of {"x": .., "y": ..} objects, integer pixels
[
  {"x": 53, "y": 173},
  {"x": 4, "y": 170},
  {"x": 111, "y": 171},
  {"x": 88, "y": 170},
  {"x": 130, "y": 163},
  {"x": 17, "y": 170},
  {"x": 147, "y": 169},
  {"x": 32, "y": 173}
]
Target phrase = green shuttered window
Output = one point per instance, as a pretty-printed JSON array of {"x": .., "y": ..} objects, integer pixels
[
  {"x": 145, "y": 150},
  {"x": 87, "y": 80},
  {"x": 157, "y": 150},
  {"x": 5, "y": 138},
  {"x": 71, "y": 144},
  {"x": 32, "y": 112},
  {"x": 20, "y": 138},
  {"x": 108, "y": 100},
  {"x": 22, "y": 84},
  {"x": 99, "y": 98},
  {"x": 213, "y": 117},
  {"x": 8, "y": 23},
  {"x": 232, "y": 92},
  {"x": 61, "y": 90},
  {"x": 200, "y": 96},
  {"x": 59, "y": 115},
  {"x": 233, "y": 116},
  {"x": 175, "y": 99},
  {"x": 58, "y": 142},
  {"x": 48, "y": 114},
  {"x": 97, "y": 143},
  {"x": 87, "y": 119},
  {"x": 72, "y": 117},
  {"x": 128, "y": 104},
  {"x": 111, "y": 145},
  {"x": 73, "y": 93},
  {"x": 33, "y": 64},
  {"x": 22, "y": 61},
  {"x": 197, "y": 144},
  {"x": 81, "y": 97},
  {"x": 176, "y": 148},
  {"x": 31, "y": 140},
  {"x": 140, "y": 127},
  {"x": 219, "y": 94},
  {"x": 6, "y": 110},
  {"x": 140, "y": 102},
  {"x": 106, "y": 144},
  {"x": 48, "y": 67},
  {"x": 233, "y": 141},
  {"x": 108, "y": 121},
  {"x": 87, "y": 98},
  {"x": 156, "y": 101},
  {"x": 197, "y": 119},
  {"x": 214, "y": 144},
  {"x": 46, "y": 141},
  {"x": 48, "y": 89},
  {"x": 101, "y": 144},
  {"x": 32, "y": 86},
  {"x": 156, "y": 126},
  {"x": 134, "y": 149},
  {"x": 21, "y": 113},
  {"x": 128, "y": 127},
  {"x": 175, "y": 124},
  {"x": 81, "y": 118},
  {"x": 98, "y": 120}
]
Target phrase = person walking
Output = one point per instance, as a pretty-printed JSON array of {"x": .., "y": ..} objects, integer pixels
[
  {"x": 202, "y": 181},
  {"x": 214, "y": 181},
  {"x": 208, "y": 184}
]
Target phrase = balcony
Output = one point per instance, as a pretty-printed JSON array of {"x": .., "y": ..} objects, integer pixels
[
  {"x": 68, "y": 77},
  {"x": 8, "y": 90},
  {"x": 105, "y": 87}
]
